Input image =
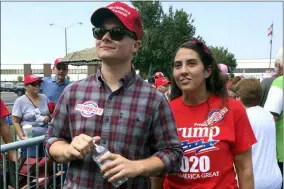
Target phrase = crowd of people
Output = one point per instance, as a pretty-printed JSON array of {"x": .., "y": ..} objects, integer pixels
[
  {"x": 204, "y": 129},
  {"x": 34, "y": 108}
]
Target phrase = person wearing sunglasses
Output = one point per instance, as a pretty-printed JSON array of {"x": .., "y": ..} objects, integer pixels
[
  {"x": 53, "y": 87},
  {"x": 114, "y": 108},
  {"x": 31, "y": 109}
]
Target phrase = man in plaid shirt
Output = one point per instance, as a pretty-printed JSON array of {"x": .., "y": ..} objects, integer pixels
[{"x": 116, "y": 109}]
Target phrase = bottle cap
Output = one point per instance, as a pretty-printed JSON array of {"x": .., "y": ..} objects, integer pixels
[{"x": 99, "y": 148}]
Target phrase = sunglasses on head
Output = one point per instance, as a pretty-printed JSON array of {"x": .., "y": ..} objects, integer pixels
[
  {"x": 116, "y": 34},
  {"x": 34, "y": 84}
]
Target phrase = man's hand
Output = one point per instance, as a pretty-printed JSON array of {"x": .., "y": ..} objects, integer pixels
[
  {"x": 119, "y": 167},
  {"x": 80, "y": 146}
]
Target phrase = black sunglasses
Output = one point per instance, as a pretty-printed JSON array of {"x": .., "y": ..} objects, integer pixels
[
  {"x": 116, "y": 34},
  {"x": 34, "y": 84},
  {"x": 63, "y": 68}
]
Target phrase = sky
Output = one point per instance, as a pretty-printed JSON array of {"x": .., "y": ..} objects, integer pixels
[{"x": 242, "y": 27}]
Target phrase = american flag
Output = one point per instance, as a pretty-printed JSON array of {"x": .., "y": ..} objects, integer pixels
[{"x": 270, "y": 30}]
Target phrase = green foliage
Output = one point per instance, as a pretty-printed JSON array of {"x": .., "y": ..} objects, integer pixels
[
  {"x": 20, "y": 78},
  {"x": 163, "y": 34},
  {"x": 223, "y": 56}
]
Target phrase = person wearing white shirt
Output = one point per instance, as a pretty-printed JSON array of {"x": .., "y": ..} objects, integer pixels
[{"x": 267, "y": 174}]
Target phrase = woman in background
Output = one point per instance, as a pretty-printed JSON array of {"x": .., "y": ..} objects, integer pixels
[
  {"x": 31, "y": 109},
  {"x": 267, "y": 174}
]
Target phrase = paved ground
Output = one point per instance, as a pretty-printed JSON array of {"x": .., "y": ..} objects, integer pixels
[{"x": 8, "y": 97}]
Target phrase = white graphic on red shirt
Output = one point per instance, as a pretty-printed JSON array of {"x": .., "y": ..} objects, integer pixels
[{"x": 193, "y": 165}]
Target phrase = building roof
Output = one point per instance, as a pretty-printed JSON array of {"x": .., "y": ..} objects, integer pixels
[{"x": 82, "y": 58}]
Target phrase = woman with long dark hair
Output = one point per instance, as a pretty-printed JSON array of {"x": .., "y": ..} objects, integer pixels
[{"x": 214, "y": 129}]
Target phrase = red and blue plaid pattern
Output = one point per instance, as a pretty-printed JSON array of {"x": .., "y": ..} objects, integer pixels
[{"x": 136, "y": 123}]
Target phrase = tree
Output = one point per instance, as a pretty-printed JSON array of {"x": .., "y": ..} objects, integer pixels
[
  {"x": 163, "y": 34},
  {"x": 223, "y": 56},
  {"x": 20, "y": 78}
]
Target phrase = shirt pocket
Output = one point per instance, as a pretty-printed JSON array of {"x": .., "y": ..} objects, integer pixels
[
  {"x": 133, "y": 128},
  {"x": 84, "y": 123}
]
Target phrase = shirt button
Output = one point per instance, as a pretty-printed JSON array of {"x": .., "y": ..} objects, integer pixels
[
  {"x": 109, "y": 101},
  {"x": 104, "y": 141},
  {"x": 107, "y": 119}
]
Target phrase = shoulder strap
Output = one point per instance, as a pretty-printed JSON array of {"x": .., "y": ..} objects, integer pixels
[{"x": 31, "y": 101}]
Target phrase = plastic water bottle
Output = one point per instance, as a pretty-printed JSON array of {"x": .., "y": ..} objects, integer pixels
[{"x": 97, "y": 153}]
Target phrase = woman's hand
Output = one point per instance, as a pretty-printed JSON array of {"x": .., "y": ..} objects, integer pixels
[
  {"x": 46, "y": 119},
  {"x": 22, "y": 137}
]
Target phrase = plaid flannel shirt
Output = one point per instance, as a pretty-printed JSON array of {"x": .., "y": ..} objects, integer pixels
[{"x": 136, "y": 123}]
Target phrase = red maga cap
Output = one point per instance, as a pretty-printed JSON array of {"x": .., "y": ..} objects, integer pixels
[{"x": 129, "y": 17}]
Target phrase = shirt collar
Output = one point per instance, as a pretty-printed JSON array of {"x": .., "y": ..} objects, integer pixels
[
  {"x": 126, "y": 81},
  {"x": 65, "y": 82}
]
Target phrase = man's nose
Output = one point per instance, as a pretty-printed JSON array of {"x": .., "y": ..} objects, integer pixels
[{"x": 106, "y": 37}]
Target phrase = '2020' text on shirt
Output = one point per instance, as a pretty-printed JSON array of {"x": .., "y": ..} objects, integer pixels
[{"x": 211, "y": 134}]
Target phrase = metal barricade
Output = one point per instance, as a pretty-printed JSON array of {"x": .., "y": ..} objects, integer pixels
[{"x": 27, "y": 144}]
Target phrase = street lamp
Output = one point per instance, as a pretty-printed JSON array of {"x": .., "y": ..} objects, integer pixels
[{"x": 65, "y": 30}]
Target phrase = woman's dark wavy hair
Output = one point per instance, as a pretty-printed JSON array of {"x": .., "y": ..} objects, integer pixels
[{"x": 215, "y": 83}]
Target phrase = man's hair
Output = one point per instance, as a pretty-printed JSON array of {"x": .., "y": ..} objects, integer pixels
[
  {"x": 250, "y": 91},
  {"x": 279, "y": 57}
]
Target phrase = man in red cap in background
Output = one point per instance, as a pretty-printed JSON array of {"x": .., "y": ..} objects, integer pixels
[
  {"x": 162, "y": 84},
  {"x": 52, "y": 87},
  {"x": 116, "y": 109}
]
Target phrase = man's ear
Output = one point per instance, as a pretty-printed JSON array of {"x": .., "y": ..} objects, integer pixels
[{"x": 136, "y": 46}]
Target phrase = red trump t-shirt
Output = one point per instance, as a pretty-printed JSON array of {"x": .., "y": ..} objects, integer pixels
[{"x": 211, "y": 134}]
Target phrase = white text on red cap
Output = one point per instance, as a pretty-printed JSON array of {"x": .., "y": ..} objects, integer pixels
[
  {"x": 120, "y": 10},
  {"x": 33, "y": 77}
]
